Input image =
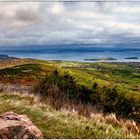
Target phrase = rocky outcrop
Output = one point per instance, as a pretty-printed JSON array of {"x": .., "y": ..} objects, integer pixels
[{"x": 14, "y": 126}]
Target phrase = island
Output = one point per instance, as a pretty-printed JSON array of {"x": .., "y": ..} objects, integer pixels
[
  {"x": 131, "y": 58},
  {"x": 100, "y": 59}
]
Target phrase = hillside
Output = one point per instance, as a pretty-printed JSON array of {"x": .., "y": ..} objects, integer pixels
[
  {"x": 21, "y": 75},
  {"x": 125, "y": 75},
  {"x": 66, "y": 124}
]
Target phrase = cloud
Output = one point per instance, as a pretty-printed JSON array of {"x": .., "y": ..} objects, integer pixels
[{"x": 23, "y": 23}]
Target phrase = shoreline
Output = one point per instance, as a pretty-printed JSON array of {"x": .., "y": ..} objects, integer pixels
[{"x": 93, "y": 60}]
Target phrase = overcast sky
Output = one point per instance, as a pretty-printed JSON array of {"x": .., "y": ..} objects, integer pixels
[{"x": 40, "y": 23}]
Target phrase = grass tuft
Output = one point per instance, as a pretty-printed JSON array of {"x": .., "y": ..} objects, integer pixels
[{"x": 63, "y": 123}]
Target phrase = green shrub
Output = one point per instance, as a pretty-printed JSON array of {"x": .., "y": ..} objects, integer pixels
[
  {"x": 65, "y": 83},
  {"x": 64, "y": 88},
  {"x": 113, "y": 101}
]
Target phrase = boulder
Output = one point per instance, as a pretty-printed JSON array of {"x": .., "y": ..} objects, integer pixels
[{"x": 14, "y": 126}]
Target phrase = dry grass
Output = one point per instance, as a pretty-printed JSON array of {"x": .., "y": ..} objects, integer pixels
[
  {"x": 11, "y": 63},
  {"x": 67, "y": 123},
  {"x": 129, "y": 126}
]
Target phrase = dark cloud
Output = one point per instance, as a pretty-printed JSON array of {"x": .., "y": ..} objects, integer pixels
[
  {"x": 70, "y": 22},
  {"x": 26, "y": 16}
]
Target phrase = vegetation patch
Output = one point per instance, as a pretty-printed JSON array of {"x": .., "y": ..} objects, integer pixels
[
  {"x": 61, "y": 89},
  {"x": 64, "y": 124}
]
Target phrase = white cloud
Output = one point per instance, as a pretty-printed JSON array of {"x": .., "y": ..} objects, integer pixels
[
  {"x": 60, "y": 22},
  {"x": 57, "y": 8}
]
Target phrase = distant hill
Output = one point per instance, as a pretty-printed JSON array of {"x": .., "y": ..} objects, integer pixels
[{"x": 6, "y": 57}]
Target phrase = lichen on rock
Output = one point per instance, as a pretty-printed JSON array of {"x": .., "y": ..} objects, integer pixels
[{"x": 14, "y": 126}]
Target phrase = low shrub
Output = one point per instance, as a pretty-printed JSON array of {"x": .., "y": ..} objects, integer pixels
[
  {"x": 61, "y": 89},
  {"x": 113, "y": 101}
]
